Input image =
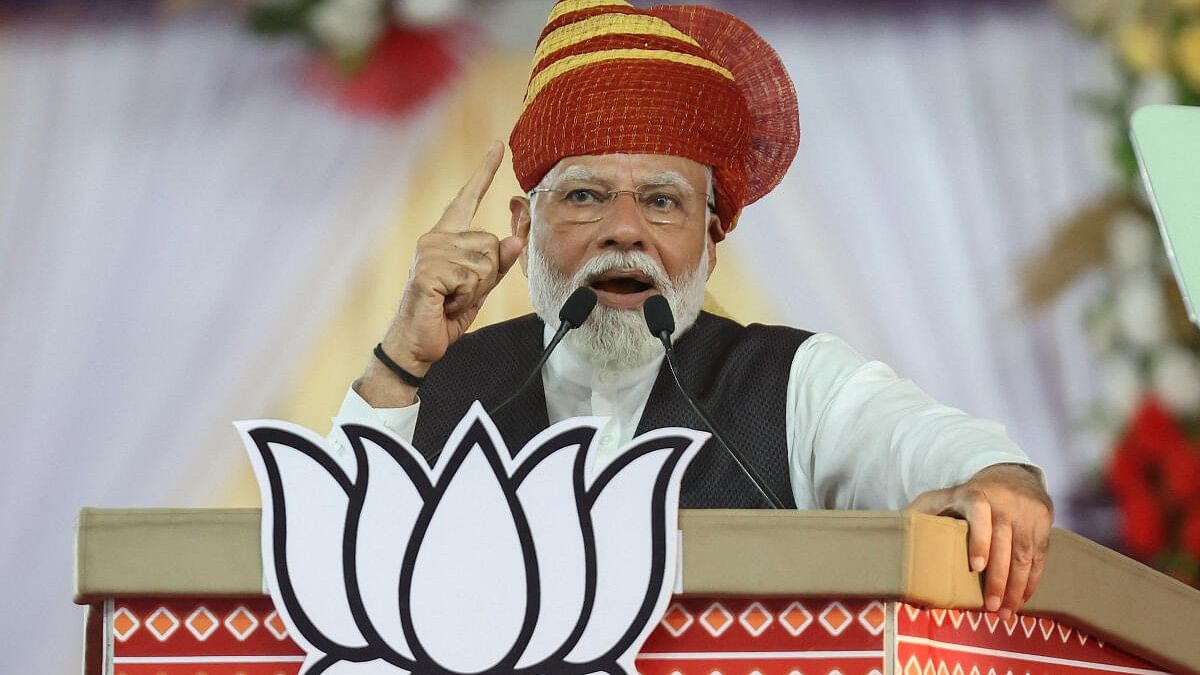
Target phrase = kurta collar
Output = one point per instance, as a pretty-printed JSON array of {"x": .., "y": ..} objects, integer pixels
[{"x": 567, "y": 364}]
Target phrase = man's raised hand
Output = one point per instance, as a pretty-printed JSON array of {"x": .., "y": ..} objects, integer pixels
[{"x": 453, "y": 270}]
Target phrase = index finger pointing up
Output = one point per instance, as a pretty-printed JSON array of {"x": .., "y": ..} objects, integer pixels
[{"x": 461, "y": 210}]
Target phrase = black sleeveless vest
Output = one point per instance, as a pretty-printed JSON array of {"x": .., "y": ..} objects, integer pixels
[{"x": 738, "y": 373}]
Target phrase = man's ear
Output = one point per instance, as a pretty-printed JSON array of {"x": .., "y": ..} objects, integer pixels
[
  {"x": 713, "y": 233},
  {"x": 522, "y": 219}
]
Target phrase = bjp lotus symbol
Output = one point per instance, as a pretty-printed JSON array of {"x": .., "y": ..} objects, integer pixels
[{"x": 485, "y": 563}]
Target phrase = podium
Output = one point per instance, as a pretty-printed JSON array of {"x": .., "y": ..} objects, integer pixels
[{"x": 180, "y": 592}]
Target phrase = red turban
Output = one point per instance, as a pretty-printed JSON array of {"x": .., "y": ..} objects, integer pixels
[{"x": 680, "y": 80}]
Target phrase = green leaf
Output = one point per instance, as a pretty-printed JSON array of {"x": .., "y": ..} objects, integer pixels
[
  {"x": 1103, "y": 104},
  {"x": 1126, "y": 159},
  {"x": 280, "y": 18},
  {"x": 350, "y": 61},
  {"x": 1186, "y": 95}
]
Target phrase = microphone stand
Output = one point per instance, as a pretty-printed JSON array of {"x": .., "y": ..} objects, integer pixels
[
  {"x": 563, "y": 328},
  {"x": 740, "y": 460},
  {"x": 574, "y": 312},
  {"x": 661, "y": 324}
]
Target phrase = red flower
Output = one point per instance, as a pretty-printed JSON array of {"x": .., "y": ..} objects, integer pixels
[
  {"x": 405, "y": 68},
  {"x": 1189, "y": 535},
  {"x": 1142, "y": 524},
  {"x": 1155, "y": 449},
  {"x": 1126, "y": 471},
  {"x": 1153, "y": 431},
  {"x": 1181, "y": 471}
]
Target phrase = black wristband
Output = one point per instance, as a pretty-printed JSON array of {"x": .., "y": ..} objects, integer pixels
[{"x": 405, "y": 376}]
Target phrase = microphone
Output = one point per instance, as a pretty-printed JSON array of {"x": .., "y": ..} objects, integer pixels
[
  {"x": 574, "y": 312},
  {"x": 661, "y": 323}
]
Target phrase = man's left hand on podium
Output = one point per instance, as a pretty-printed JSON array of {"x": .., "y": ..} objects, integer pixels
[{"x": 1008, "y": 516}]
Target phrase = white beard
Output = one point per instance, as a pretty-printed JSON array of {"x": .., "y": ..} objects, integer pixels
[{"x": 614, "y": 338}]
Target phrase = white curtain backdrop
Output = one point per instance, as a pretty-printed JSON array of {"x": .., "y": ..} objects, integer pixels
[
  {"x": 176, "y": 218},
  {"x": 938, "y": 147}
]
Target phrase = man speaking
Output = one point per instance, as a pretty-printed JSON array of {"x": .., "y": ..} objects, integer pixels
[{"x": 643, "y": 135}]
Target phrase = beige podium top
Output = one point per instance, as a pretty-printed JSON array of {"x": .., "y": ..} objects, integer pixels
[{"x": 918, "y": 559}]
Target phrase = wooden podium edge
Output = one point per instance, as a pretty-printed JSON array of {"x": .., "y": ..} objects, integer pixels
[
  {"x": 905, "y": 557},
  {"x": 1120, "y": 600}
]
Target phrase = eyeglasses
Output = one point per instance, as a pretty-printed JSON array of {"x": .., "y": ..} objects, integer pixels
[{"x": 660, "y": 204}]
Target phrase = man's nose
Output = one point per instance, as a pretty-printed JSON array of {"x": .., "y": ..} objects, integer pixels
[{"x": 624, "y": 226}]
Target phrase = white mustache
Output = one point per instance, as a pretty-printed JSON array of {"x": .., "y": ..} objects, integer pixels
[{"x": 622, "y": 260}]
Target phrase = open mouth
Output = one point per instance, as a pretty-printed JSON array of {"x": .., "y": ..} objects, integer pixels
[{"x": 623, "y": 282}]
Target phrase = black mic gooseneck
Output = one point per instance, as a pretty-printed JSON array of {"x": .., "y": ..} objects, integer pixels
[
  {"x": 661, "y": 323},
  {"x": 574, "y": 312}
]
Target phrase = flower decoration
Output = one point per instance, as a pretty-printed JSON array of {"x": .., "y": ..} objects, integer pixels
[
  {"x": 373, "y": 56},
  {"x": 1187, "y": 55},
  {"x": 1154, "y": 475},
  {"x": 484, "y": 563},
  {"x": 1141, "y": 46},
  {"x": 1149, "y": 353}
]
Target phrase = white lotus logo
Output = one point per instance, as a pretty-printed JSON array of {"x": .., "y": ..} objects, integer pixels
[{"x": 486, "y": 563}]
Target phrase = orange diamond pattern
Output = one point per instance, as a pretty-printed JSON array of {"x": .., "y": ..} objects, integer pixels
[
  {"x": 835, "y": 618},
  {"x": 241, "y": 623},
  {"x": 201, "y": 623},
  {"x": 162, "y": 623},
  {"x": 795, "y": 618},
  {"x": 676, "y": 620},
  {"x": 124, "y": 624},
  {"x": 716, "y": 619},
  {"x": 275, "y": 625},
  {"x": 755, "y": 619},
  {"x": 873, "y": 617}
]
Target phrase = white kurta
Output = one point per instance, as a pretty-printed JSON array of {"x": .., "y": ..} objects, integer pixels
[{"x": 858, "y": 436}]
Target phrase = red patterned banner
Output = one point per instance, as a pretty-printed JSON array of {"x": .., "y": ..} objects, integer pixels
[
  {"x": 978, "y": 643},
  {"x": 697, "y": 636},
  {"x": 740, "y": 636}
]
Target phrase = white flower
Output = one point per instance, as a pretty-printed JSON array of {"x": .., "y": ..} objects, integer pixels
[
  {"x": 1100, "y": 325},
  {"x": 1140, "y": 310},
  {"x": 1153, "y": 89},
  {"x": 1132, "y": 243},
  {"x": 1175, "y": 378},
  {"x": 426, "y": 12},
  {"x": 348, "y": 26},
  {"x": 487, "y": 563},
  {"x": 1122, "y": 386}
]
